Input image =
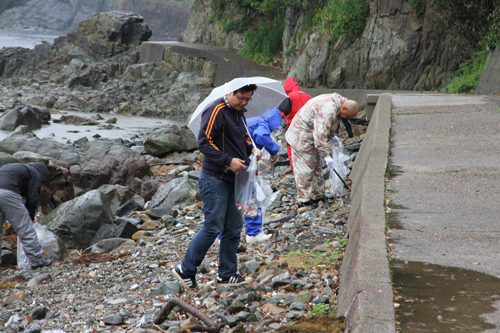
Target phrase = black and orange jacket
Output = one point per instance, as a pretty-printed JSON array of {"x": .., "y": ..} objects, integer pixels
[{"x": 222, "y": 137}]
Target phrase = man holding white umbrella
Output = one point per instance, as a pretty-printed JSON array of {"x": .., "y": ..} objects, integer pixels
[{"x": 224, "y": 141}]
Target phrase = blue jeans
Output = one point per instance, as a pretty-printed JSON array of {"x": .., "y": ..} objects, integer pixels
[{"x": 221, "y": 215}]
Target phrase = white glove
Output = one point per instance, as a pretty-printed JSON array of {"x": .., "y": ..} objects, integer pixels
[
  {"x": 329, "y": 162},
  {"x": 336, "y": 141}
]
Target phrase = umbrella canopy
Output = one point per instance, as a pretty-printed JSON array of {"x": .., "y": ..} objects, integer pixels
[{"x": 269, "y": 95}]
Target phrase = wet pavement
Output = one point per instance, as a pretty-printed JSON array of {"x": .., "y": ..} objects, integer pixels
[{"x": 442, "y": 194}]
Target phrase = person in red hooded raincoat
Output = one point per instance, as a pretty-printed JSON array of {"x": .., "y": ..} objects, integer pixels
[{"x": 291, "y": 105}]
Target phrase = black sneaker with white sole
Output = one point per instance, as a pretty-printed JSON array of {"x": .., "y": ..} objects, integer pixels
[
  {"x": 231, "y": 281},
  {"x": 188, "y": 281}
]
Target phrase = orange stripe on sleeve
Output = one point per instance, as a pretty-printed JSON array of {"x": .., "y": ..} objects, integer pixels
[
  {"x": 211, "y": 123},
  {"x": 212, "y": 118}
]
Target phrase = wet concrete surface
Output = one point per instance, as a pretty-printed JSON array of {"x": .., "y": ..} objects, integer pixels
[{"x": 443, "y": 197}]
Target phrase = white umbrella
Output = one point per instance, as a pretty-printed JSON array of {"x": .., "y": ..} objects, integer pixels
[{"x": 269, "y": 95}]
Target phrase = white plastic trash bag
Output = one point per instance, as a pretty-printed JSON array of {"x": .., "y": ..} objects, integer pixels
[
  {"x": 252, "y": 191},
  {"x": 48, "y": 242},
  {"x": 341, "y": 160},
  {"x": 244, "y": 191},
  {"x": 22, "y": 260}
]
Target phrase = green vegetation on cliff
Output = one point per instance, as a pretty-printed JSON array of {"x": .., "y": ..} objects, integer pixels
[
  {"x": 479, "y": 22},
  {"x": 263, "y": 22},
  {"x": 342, "y": 18}
]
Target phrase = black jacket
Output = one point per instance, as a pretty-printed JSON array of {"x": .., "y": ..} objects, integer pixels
[
  {"x": 25, "y": 180},
  {"x": 222, "y": 137}
]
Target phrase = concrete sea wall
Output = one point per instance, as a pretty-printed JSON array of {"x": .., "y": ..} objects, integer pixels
[{"x": 365, "y": 294}]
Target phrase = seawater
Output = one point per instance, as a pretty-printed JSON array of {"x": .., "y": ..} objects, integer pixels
[{"x": 27, "y": 38}]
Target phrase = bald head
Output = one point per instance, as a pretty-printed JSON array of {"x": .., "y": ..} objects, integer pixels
[{"x": 349, "y": 109}]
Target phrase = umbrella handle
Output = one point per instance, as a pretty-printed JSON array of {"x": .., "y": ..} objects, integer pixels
[{"x": 253, "y": 143}]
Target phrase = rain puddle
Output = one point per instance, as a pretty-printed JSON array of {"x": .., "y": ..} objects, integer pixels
[{"x": 436, "y": 298}]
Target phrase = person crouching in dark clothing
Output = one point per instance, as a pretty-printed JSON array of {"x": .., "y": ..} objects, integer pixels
[{"x": 20, "y": 186}]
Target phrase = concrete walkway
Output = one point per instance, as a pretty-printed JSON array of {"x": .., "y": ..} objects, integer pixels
[{"x": 444, "y": 155}]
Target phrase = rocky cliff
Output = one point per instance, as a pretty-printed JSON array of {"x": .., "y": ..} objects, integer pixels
[
  {"x": 166, "y": 18},
  {"x": 399, "y": 49},
  {"x": 202, "y": 29}
]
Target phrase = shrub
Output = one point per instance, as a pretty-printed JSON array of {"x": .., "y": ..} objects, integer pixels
[
  {"x": 468, "y": 17},
  {"x": 492, "y": 38},
  {"x": 467, "y": 76},
  {"x": 236, "y": 25},
  {"x": 263, "y": 44},
  {"x": 416, "y": 5},
  {"x": 343, "y": 17},
  {"x": 320, "y": 309}
]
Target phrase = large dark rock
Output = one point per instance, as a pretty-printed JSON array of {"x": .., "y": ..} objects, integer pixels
[
  {"x": 18, "y": 115},
  {"x": 109, "y": 162},
  {"x": 76, "y": 222},
  {"x": 123, "y": 230},
  {"x": 175, "y": 192},
  {"x": 116, "y": 195},
  {"x": 24, "y": 140},
  {"x": 149, "y": 185},
  {"x": 103, "y": 36},
  {"x": 108, "y": 34},
  {"x": 8, "y": 258},
  {"x": 128, "y": 207},
  {"x": 6, "y": 158},
  {"x": 157, "y": 213},
  {"x": 168, "y": 139}
]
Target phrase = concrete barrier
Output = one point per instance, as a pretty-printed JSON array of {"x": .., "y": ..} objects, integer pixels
[
  {"x": 154, "y": 52},
  {"x": 489, "y": 81},
  {"x": 365, "y": 293}
]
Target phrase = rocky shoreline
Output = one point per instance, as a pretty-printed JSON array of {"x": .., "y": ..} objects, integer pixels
[{"x": 120, "y": 287}]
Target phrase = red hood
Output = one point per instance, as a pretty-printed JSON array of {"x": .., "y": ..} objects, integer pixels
[{"x": 290, "y": 85}]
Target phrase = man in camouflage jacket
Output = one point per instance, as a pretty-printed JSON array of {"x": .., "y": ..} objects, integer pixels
[{"x": 309, "y": 133}]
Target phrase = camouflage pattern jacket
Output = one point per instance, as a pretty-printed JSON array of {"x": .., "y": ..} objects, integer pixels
[{"x": 314, "y": 125}]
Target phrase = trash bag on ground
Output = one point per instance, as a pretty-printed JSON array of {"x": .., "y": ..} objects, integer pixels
[
  {"x": 341, "y": 159},
  {"x": 252, "y": 191},
  {"x": 47, "y": 241}
]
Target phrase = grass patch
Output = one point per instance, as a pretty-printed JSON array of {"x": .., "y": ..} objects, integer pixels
[{"x": 467, "y": 76}]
